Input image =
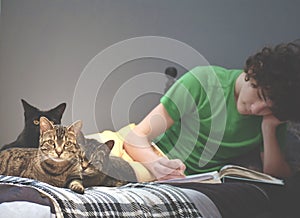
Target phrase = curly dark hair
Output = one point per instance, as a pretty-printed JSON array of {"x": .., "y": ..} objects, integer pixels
[{"x": 277, "y": 73}]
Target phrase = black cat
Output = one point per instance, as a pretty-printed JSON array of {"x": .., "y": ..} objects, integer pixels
[{"x": 29, "y": 137}]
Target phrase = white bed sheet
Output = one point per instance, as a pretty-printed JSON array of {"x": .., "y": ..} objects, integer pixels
[{"x": 23, "y": 209}]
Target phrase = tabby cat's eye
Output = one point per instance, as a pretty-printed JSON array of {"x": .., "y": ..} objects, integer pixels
[
  {"x": 36, "y": 122},
  {"x": 50, "y": 142},
  {"x": 68, "y": 144}
]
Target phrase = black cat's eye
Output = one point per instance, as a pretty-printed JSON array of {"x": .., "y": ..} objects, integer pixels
[{"x": 36, "y": 122}]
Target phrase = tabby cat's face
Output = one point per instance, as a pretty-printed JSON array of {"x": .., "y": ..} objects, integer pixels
[{"x": 58, "y": 142}]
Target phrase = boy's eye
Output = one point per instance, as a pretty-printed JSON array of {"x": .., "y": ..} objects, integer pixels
[
  {"x": 36, "y": 122},
  {"x": 253, "y": 85},
  {"x": 262, "y": 95}
]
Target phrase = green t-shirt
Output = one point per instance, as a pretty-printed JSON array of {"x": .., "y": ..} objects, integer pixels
[{"x": 207, "y": 129}]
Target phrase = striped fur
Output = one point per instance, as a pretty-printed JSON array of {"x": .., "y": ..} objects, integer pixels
[{"x": 57, "y": 161}]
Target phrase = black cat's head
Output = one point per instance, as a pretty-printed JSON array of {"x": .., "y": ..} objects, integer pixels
[{"x": 32, "y": 120}]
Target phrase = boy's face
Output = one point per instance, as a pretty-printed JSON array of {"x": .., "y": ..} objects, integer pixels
[{"x": 251, "y": 100}]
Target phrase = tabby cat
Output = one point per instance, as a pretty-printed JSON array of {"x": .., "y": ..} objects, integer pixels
[
  {"x": 57, "y": 161},
  {"x": 65, "y": 158},
  {"x": 29, "y": 137},
  {"x": 99, "y": 168}
]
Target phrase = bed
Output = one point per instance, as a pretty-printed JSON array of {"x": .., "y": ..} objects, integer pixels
[
  {"x": 25, "y": 197},
  {"x": 22, "y": 197}
]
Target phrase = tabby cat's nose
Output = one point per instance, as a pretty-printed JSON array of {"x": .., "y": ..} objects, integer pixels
[{"x": 58, "y": 151}]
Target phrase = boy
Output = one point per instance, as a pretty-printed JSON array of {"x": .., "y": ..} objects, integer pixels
[{"x": 213, "y": 115}]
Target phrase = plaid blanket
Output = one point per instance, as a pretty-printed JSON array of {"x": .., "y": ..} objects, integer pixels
[{"x": 132, "y": 200}]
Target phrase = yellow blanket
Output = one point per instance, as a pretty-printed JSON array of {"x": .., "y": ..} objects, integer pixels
[{"x": 142, "y": 173}]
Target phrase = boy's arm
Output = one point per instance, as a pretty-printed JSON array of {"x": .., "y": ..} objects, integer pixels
[
  {"x": 274, "y": 162},
  {"x": 138, "y": 145}
]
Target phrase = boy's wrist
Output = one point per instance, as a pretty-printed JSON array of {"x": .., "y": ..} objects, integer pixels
[{"x": 270, "y": 123}]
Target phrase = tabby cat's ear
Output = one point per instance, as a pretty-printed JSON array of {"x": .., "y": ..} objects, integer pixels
[
  {"x": 110, "y": 144},
  {"x": 45, "y": 125},
  {"x": 76, "y": 127}
]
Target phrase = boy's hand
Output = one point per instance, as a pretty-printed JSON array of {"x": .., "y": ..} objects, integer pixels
[
  {"x": 270, "y": 121},
  {"x": 163, "y": 168}
]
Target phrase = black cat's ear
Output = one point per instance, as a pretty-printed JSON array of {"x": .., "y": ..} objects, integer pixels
[
  {"x": 59, "y": 110},
  {"x": 110, "y": 144},
  {"x": 28, "y": 109},
  {"x": 76, "y": 127},
  {"x": 45, "y": 125}
]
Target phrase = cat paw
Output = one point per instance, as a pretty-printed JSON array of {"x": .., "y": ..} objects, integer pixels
[
  {"x": 77, "y": 186},
  {"x": 120, "y": 183}
]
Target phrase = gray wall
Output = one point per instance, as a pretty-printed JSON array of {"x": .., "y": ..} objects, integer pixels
[{"x": 46, "y": 46}]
